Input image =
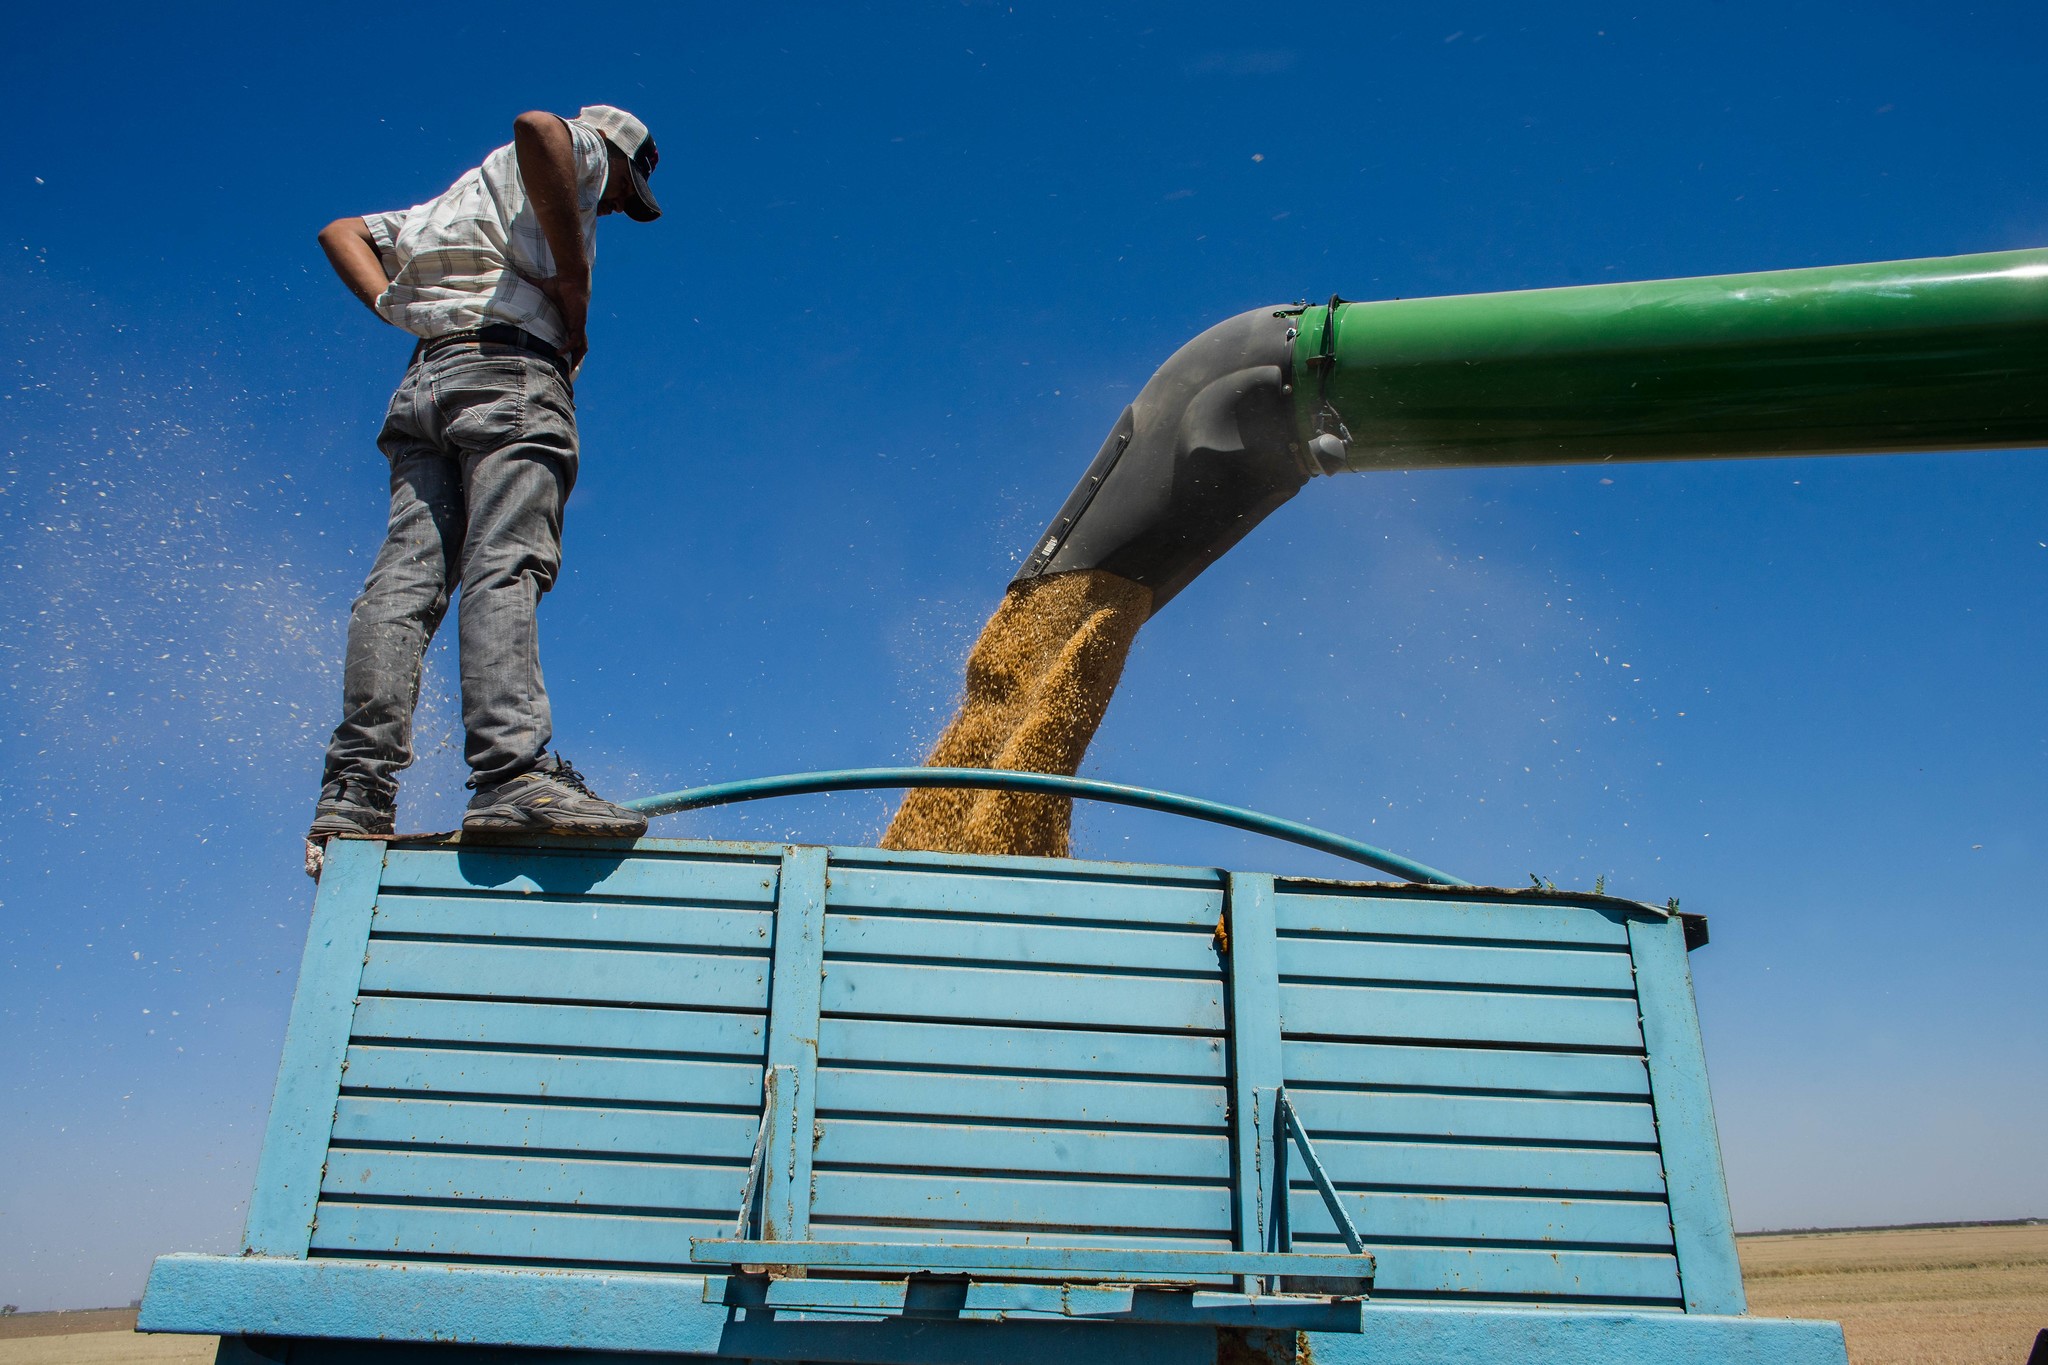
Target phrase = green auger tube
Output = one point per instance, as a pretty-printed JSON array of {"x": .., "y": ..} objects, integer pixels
[{"x": 1945, "y": 354}]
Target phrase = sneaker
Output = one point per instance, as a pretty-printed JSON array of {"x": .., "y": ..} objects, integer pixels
[
  {"x": 346, "y": 807},
  {"x": 351, "y": 807},
  {"x": 549, "y": 798}
]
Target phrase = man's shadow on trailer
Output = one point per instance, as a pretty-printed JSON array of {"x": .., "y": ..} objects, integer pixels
[{"x": 547, "y": 866}]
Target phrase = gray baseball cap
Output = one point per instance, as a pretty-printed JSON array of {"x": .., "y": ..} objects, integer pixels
[{"x": 631, "y": 137}]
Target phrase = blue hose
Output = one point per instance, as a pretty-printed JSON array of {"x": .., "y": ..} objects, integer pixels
[{"x": 1052, "y": 784}]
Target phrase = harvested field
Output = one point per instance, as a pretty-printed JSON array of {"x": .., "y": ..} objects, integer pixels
[
  {"x": 93, "y": 1336},
  {"x": 1910, "y": 1296},
  {"x": 1038, "y": 682},
  {"x": 107, "y": 1348},
  {"x": 64, "y": 1324}
]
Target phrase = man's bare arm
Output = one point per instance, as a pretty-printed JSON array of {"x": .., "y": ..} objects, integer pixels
[
  {"x": 547, "y": 167},
  {"x": 353, "y": 254}
]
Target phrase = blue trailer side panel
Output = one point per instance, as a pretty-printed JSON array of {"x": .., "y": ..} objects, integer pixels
[{"x": 514, "y": 1072}]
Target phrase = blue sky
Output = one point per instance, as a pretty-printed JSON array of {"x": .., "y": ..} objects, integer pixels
[{"x": 915, "y": 261}]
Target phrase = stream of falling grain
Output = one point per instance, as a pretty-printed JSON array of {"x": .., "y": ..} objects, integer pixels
[{"x": 1038, "y": 682}]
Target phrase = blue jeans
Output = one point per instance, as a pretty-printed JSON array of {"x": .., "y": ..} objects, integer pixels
[{"x": 482, "y": 444}]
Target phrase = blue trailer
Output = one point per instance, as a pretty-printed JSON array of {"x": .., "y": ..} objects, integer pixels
[{"x": 793, "y": 1103}]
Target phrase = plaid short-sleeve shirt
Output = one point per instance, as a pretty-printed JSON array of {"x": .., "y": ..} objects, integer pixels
[{"x": 468, "y": 258}]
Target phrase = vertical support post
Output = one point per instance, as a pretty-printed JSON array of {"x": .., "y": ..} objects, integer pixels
[
  {"x": 282, "y": 1207},
  {"x": 1251, "y": 975},
  {"x": 791, "y": 1084},
  {"x": 1702, "y": 1228}
]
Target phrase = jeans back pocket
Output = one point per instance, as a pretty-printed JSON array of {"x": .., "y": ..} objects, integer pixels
[{"x": 481, "y": 399}]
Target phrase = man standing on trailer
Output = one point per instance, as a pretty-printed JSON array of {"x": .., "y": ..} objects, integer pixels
[{"x": 493, "y": 277}]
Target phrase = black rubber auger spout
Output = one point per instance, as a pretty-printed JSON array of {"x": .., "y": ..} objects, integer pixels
[{"x": 1206, "y": 452}]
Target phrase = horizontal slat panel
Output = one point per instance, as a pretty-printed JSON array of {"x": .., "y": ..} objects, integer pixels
[
  {"x": 1474, "y": 1015},
  {"x": 1371, "y": 960},
  {"x": 1482, "y": 1218},
  {"x": 512, "y": 1234},
  {"x": 1080, "y": 1151},
  {"x": 1018, "y": 1202},
  {"x": 1432, "y": 918},
  {"x": 1464, "y": 1068},
  {"x": 1191, "y": 952},
  {"x": 1458, "y": 1272},
  {"x": 1023, "y": 895},
  {"x": 1154, "y": 1003},
  {"x": 545, "y": 1127},
  {"x": 654, "y": 1186},
  {"x": 638, "y": 1079},
  {"x": 828, "y": 1230},
  {"x": 509, "y": 971},
  {"x": 981, "y": 1046},
  {"x": 582, "y": 873},
  {"x": 510, "y": 1023},
  {"x": 575, "y": 921},
  {"x": 943, "y": 1095},
  {"x": 1478, "y": 1166},
  {"x": 1472, "y": 1116}
]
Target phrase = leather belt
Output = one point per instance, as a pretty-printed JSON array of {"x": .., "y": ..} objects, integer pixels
[{"x": 497, "y": 334}]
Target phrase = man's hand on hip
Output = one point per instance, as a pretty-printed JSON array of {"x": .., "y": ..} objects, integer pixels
[{"x": 571, "y": 298}]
